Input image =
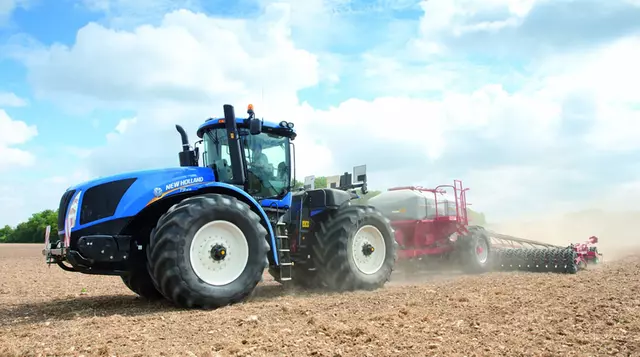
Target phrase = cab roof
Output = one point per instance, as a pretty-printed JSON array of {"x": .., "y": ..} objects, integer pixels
[{"x": 267, "y": 126}]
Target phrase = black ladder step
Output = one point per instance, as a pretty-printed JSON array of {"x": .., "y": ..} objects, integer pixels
[{"x": 286, "y": 265}]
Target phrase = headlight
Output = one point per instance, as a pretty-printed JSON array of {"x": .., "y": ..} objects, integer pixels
[{"x": 70, "y": 220}]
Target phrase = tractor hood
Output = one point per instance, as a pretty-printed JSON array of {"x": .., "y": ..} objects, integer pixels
[
  {"x": 166, "y": 179},
  {"x": 125, "y": 195}
]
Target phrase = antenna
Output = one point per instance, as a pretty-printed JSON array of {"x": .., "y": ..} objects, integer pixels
[{"x": 262, "y": 99}]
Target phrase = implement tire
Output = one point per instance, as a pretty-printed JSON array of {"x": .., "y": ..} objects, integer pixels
[
  {"x": 475, "y": 251},
  {"x": 354, "y": 249},
  {"x": 208, "y": 251}
]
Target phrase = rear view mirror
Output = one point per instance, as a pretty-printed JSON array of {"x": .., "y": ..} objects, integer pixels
[{"x": 255, "y": 126}]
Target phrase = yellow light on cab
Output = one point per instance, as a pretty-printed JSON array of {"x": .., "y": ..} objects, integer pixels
[{"x": 250, "y": 107}]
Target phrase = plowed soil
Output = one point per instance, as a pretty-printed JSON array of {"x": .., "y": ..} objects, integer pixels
[{"x": 46, "y": 311}]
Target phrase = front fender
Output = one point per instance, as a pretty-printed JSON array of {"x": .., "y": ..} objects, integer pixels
[{"x": 234, "y": 191}]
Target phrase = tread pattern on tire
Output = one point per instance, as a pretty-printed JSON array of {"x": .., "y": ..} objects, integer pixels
[
  {"x": 139, "y": 281},
  {"x": 171, "y": 272},
  {"x": 330, "y": 249}
]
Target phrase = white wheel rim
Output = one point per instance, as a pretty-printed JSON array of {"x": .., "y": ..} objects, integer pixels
[
  {"x": 482, "y": 251},
  {"x": 224, "y": 271},
  {"x": 368, "y": 236}
]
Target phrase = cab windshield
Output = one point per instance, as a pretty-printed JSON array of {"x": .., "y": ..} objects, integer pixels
[{"x": 267, "y": 155}]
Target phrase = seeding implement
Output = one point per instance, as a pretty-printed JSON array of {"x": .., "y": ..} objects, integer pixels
[
  {"x": 433, "y": 227},
  {"x": 587, "y": 252},
  {"x": 202, "y": 236}
]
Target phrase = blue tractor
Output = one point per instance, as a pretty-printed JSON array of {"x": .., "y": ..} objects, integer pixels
[{"x": 202, "y": 236}]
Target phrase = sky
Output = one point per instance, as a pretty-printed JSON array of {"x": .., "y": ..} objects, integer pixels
[{"x": 534, "y": 104}]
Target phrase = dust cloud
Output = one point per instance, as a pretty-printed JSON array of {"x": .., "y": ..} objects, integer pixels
[{"x": 616, "y": 231}]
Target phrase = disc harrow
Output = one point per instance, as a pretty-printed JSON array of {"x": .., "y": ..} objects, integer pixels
[
  {"x": 540, "y": 260},
  {"x": 519, "y": 254}
]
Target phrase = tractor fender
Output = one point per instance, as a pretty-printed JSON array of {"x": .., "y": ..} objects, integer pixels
[{"x": 223, "y": 188}]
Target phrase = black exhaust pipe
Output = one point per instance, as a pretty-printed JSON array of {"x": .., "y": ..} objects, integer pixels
[
  {"x": 183, "y": 137},
  {"x": 187, "y": 156},
  {"x": 235, "y": 149}
]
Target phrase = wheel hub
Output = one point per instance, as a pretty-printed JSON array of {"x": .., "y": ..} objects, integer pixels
[
  {"x": 218, "y": 252},
  {"x": 367, "y": 249},
  {"x": 482, "y": 253}
]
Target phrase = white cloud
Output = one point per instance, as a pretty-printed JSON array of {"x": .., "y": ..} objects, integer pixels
[
  {"x": 14, "y": 132},
  {"x": 184, "y": 69},
  {"x": 420, "y": 128},
  {"x": 11, "y": 100},
  {"x": 22, "y": 198},
  {"x": 8, "y": 6},
  {"x": 459, "y": 17},
  {"x": 189, "y": 58},
  {"x": 180, "y": 72},
  {"x": 128, "y": 14},
  {"x": 609, "y": 75}
]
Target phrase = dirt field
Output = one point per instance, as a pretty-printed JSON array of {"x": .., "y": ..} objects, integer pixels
[{"x": 46, "y": 311}]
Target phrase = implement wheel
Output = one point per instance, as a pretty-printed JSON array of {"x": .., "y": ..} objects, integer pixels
[{"x": 475, "y": 251}]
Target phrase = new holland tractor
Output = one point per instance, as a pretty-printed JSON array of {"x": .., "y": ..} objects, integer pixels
[{"x": 202, "y": 236}]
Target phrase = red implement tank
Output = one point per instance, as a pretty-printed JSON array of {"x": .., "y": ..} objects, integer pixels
[{"x": 427, "y": 221}]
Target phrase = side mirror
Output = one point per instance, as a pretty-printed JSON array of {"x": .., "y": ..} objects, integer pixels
[{"x": 255, "y": 126}]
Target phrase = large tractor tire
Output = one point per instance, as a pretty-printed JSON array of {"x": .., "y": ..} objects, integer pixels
[
  {"x": 139, "y": 281},
  {"x": 208, "y": 251},
  {"x": 354, "y": 249},
  {"x": 475, "y": 251}
]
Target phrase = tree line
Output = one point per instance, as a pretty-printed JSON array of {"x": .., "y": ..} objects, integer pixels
[{"x": 32, "y": 231}]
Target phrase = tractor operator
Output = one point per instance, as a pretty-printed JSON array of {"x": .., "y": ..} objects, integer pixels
[{"x": 259, "y": 158}]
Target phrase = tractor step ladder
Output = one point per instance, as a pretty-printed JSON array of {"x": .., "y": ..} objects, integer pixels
[{"x": 284, "y": 252}]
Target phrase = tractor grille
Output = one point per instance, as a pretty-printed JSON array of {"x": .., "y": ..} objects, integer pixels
[
  {"x": 102, "y": 201},
  {"x": 62, "y": 209}
]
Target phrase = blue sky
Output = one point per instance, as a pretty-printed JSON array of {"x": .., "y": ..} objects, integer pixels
[{"x": 533, "y": 100}]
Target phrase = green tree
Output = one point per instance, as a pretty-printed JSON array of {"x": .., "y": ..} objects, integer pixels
[
  {"x": 297, "y": 185},
  {"x": 5, "y": 233},
  {"x": 320, "y": 182},
  {"x": 476, "y": 217},
  {"x": 32, "y": 231}
]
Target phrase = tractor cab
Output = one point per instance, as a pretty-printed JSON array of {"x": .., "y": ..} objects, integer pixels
[{"x": 251, "y": 154}]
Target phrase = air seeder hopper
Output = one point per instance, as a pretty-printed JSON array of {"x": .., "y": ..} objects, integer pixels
[{"x": 432, "y": 225}]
